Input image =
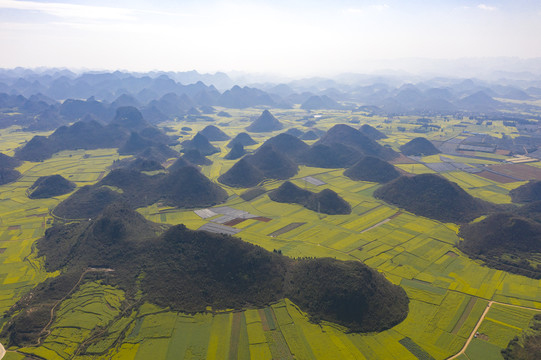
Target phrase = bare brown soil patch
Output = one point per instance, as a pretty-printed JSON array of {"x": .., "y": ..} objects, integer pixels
[
  {"x": 520, "y": 171},
  {"x": 234, "y": 222},
  {"x": 496, "y": 177},
  {"x": 402, "y": 159},
  {"x": 262, "y": 218}
]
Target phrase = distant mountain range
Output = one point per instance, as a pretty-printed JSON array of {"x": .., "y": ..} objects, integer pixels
[{"x": 48, "y": 99}]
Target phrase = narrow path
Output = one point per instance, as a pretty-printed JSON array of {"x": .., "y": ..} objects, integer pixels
[
  {"x": 463, "y": 350},
  {"x": 472, "y": 335},
  {"x": 102, "y": 331},
  {"x": 382, "y": 222},
  {"x": 375, "y": 226},
  {"x": 45, "y": 332}
]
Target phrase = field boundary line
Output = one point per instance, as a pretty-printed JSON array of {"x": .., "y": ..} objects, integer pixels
[
  {"x": 472, "y": 335},
  {"x": 465, "y": 314},
  {"x": 38, "y": 343}
]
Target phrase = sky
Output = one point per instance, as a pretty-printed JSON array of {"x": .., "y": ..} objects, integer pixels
[{"x": 287, "y": 37}]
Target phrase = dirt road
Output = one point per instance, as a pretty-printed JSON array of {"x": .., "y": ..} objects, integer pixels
[{"x": 472, "y": 335}]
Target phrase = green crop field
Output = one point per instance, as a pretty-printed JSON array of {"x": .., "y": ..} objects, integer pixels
[{"x": 448, "y": 291}]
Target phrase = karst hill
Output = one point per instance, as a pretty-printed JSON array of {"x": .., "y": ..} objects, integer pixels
[
  {"x": 434, "y": 197},
  {"x": 342, "y": 146},
  {"x": 326, "y": 201},
  {"x": 201, "y": 144},
  {"x": 266, "y": 122},
  {"x": 183, "y": 187},
  {"x": 419, "y": 146},
  {"x": 370, "y": 168},
  {"x": 189, "y": 271},
  {"x": 213, "y": 133},
  {"x": 50, "y": 186},
  {"x": 243, "y": 139}
]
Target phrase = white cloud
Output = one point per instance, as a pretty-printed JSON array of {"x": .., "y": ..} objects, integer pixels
[
  {"x": 253, "y": 36},
  {"x": 354, "y": 11},
  {"x": 371, "y": 8},
  {"x": 71, "y": 10},
  {"x": 105, "y": 28},
  {"x": 20, "y": 26},
  {"x": 485, "y": 7}
]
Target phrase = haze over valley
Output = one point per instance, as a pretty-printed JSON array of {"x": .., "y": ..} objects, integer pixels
[{"x": 270, "y": 180}]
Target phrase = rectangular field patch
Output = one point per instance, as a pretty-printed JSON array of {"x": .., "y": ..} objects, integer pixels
[
  {"x": 313, "y": 181},
  {"x": 464, "y": 315},
  {"x": 262, "y": 218},
  {"x": 415, "y": 349},
  {"x": 521, "y": 171},
  {"x": 234, "y": 222},
  {"x": 205, "y": 213},
  {"x": 219, "y": 229},
  {"x": 441, "y": 167},
  {"x": 286, "y": 229},
  {"x": 496, "y": 177}
]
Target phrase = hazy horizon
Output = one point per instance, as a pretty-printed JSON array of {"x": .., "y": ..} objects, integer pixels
[{"x": 294, "y": 38}]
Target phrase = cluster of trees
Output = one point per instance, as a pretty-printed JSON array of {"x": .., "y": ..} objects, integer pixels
[{"x": 189, "y": 271}]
